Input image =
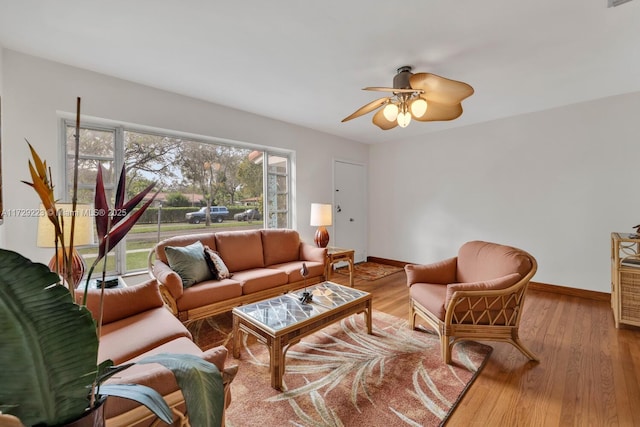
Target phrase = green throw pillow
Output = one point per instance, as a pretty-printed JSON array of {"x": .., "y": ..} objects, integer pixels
[{"x": 189, "y": 263}]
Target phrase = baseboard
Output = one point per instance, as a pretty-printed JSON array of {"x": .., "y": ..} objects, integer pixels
[
  {"x": 544, "y": 287},
  {"x": 387, "y": 261},
  {"x": 574, "y": 292}
]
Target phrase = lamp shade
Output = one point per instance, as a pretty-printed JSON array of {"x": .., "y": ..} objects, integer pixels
[
  {"x": 404, "y": 118},
  {"x": 321, "y": 214},
  {"x": 83, "y": 234},
  {"x": 390, "y": 112},
  {"x": 418, "y": 107}
]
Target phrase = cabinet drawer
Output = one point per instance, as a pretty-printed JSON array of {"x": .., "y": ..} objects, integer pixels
[{"x": 630, "y": 295}]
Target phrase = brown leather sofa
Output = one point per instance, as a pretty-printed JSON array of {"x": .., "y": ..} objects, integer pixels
[
  {"x": 136, "y": 324},
  {"x": 262, "y": 263}
]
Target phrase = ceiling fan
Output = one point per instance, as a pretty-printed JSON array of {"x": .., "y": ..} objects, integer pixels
[{"x": 422, "y": 96}]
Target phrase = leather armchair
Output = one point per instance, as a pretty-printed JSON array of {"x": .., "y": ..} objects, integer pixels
[{"x": 476, "y": 295}]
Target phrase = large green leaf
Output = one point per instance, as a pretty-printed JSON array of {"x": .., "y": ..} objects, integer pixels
[
  {"x": 141, "y": 394},
  {"x": 49, "y": 351},
  {"x": 201, "y": 385},
  {"x": 49, "y": 347}
]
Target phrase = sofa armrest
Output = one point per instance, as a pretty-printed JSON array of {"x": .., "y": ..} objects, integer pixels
[
  {"x": 218, "y": 356},
  {"x": 442, "y": 272},
  {"x": 168, "y": 278},
  {"x": 312, "y": 253}
]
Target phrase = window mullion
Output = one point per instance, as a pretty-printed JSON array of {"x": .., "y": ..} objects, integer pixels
[{"x": 121, "y": 249}]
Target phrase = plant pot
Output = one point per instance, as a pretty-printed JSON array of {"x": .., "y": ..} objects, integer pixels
[{"x": 92, "y": 418}]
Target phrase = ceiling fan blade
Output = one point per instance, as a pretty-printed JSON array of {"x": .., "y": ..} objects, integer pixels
[
  {"x": 440, "y": 112},
  {"x": 389, "y": 89},
  {"x": 380, "y": 121},
  {"x": 439, "y": 89},
  {"x": 367, "y": 108}
]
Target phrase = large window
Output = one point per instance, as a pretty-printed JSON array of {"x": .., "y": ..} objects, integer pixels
[{"x": 204, "y": 185}]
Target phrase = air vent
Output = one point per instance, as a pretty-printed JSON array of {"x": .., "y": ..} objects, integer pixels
[{"x": 614, "y": 3}]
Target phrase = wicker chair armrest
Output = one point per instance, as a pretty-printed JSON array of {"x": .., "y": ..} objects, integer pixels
[
  {"x": 150, "y": 261},
  {"x": 169, "y": 300},
  {"x": 481, "y": 288},
  {"x": 499, "y": 306},
  {"x": 169, "y": 282}
]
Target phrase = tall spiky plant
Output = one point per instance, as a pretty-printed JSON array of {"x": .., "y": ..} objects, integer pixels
[
  {"x": 43, "y": 185},
  {"x": 113, "y": 224}
]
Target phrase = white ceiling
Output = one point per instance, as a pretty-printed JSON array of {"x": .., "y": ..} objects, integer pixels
[{"x": 305, "y": 62}]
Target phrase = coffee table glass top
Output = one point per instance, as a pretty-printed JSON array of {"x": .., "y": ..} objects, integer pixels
[{"x": 286, "y": 310}]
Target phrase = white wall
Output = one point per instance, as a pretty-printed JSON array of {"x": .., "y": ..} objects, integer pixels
[
  {"x": 36, "y": 89},
  {"x": 555, "y": 183}
]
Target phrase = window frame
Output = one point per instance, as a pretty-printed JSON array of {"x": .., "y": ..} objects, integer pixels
[{"x": 120, "y": 129}]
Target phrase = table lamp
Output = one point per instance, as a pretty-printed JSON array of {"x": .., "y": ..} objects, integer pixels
[
  {"x": 321, "y": 218},
  {"x": 83, "y": 235}
]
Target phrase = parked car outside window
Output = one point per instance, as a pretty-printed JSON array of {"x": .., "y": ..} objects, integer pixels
[
  {"x": 217, "y": 214},
  {"x": 248, "y": 215}
]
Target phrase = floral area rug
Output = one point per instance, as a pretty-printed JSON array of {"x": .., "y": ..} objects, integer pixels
[
  {"x": 342, "y": 376},
  {"x": 369, "y": 270}
]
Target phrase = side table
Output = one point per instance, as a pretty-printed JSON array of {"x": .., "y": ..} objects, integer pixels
[{"x": 335, "y": 255}]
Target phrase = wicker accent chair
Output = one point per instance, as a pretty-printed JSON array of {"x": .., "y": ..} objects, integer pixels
[{"x": 477, "y": 295}]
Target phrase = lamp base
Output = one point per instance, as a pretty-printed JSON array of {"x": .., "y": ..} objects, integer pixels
[
  {"x": 322, "y": 237},
  {"x": 78, "y": 266}
]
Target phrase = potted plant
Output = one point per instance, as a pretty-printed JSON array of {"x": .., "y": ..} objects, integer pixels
[
  {"x": 49, "y": 371},
  {"x": 48, "y": 364}
]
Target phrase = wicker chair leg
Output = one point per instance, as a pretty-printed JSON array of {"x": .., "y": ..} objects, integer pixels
[
  {"x": 446, "y": 348},
  {"x": 412, "y": 316},
  {"x": 515, "y": 340}
]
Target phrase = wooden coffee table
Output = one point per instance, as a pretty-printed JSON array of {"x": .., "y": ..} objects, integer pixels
[{"x": 283, "y": 321}]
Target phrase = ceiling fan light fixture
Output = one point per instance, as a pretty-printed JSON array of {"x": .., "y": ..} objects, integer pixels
[
  {"x": 418, "y": 107},
  {"x": 424, "y": 97},
  {"x": 390, "y": 112},
  {"x": 404, "y": 118}
]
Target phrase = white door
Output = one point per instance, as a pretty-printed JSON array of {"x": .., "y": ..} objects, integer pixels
[{"x": 350, "y": 208}]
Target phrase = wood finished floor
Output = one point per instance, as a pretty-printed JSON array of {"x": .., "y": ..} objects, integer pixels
[{"x": 589, "y": 373}]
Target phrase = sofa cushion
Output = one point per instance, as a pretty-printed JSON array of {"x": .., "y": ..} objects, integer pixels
[
  {"x": 293, "y": 269},
  {"x": 497, "y": 283},
  {"x": 189, "y": 262},
  {"x": 280, "y": 245},
  {"x": 431, "y": 296},
  {"x": 209, "y": 292},
  {"x": 312, "y": 253},
  {"x": 184, "y": 240},
  {"x": 127, "y": 338},
  {"x": 156, "y": 376},
  {"x": 120, "y": 303},
  {"x": 240, "y": 250},
  {"x": 479, "y": 261},
  {"x": 259, "y": 279}
]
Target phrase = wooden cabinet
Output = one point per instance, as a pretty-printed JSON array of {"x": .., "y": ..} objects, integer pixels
[{"x": 625, "y": 278}]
